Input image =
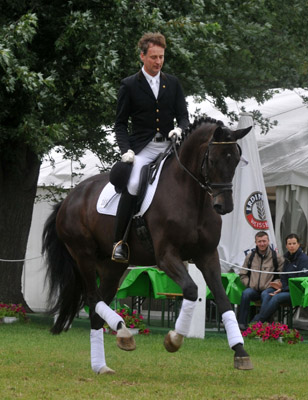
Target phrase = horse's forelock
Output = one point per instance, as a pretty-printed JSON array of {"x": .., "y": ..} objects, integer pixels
[{"x": 227, "y": 135}]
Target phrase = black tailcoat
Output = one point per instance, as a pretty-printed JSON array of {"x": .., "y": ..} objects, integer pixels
[{"x": 148, "y": 114}]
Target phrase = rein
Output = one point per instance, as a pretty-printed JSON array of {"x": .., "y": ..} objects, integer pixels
[{"x": 208, "y": 186}]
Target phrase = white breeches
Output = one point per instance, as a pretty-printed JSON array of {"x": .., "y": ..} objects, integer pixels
[{"x": 146, "y": 156}]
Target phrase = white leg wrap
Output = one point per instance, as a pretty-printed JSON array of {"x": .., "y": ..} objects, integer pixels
[
  {"x": 182, "y": 324},
  {"x": 233, "y": 331},
  {"x": 97, "y": 349},
  {"x": 108, "y": 315}
]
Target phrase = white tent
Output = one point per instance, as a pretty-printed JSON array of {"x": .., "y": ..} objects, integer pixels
[
  {"x": 251, "y": 212},
  {"x": 283, "y": 154},
  {"x": 284, "y": 159}
]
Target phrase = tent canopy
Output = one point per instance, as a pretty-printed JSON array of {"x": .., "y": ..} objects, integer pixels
[{"x": 284, "y": 149}]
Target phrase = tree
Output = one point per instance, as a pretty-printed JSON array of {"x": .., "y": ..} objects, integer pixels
[{"x": 61, "y": 64}]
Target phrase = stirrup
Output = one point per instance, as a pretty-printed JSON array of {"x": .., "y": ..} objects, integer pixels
[{"x": 120, "y": 252}]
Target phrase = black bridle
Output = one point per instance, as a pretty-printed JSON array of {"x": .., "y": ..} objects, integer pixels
[{"x": 208, "y": 186}]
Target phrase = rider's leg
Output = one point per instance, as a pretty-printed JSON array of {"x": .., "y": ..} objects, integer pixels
[
  {"x": 128, "y": 199},
  {"x": 125, "y": 211}
]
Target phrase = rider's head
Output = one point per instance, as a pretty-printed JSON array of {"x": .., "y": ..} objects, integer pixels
[{"x": 152, "y": 52}]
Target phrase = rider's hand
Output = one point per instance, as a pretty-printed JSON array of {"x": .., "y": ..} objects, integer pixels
[
  {"x": 177, "y": 132},
  {"x": 128, "y": 157}
]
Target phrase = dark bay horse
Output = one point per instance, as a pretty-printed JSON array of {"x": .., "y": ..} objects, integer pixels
[{"x": 195, "y": 187}]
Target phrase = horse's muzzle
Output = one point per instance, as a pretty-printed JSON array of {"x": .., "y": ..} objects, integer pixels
[
  {"x": 223, "y": 203},
  {"x": 221, "y": 210}
]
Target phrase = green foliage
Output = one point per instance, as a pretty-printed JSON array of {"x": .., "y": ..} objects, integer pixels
[{"x": 61, "y": 62}]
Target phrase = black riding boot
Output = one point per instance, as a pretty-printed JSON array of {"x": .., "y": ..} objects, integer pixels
[{"x": 125, "y": 211}]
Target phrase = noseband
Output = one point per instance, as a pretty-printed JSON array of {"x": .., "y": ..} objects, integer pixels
[
  {"x": 209, "y": 186},
  {"x": 223, "y": 186}
]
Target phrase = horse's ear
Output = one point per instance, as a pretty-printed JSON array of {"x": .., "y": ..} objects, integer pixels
[
  {"x": 240, "y": 133},
  {"x": 217, "y": 134}
]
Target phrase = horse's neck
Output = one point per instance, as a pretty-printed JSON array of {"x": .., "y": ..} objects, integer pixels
[{"x": 193, "y": 151}]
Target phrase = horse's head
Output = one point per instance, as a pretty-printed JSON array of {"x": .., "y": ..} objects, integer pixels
[{"x": 222, "y": 157}]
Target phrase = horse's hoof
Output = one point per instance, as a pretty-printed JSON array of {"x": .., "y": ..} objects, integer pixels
[
  {"x": 125, "y": 340},
  {"x": 242, "y": 363},
  {"x": 106, "y": 370},
  {"x": 173, "y": 341}
]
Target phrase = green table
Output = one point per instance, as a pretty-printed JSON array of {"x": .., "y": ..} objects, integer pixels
[
  {"x": 233, "y": 287},
  {"x": 147, "y": 282},
  {"x": 150, "y": 282},
  {"x": 299, "y": 291}
]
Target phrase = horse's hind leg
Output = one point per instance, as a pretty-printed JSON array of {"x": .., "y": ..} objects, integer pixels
[
  {"x": 110, "y": 276},
  {"x": 98, "y": 300},
  {"x": 211, "y": 271}
]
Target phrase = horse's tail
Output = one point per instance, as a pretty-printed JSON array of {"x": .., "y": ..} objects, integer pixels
[{"x": 65, "y": 297}]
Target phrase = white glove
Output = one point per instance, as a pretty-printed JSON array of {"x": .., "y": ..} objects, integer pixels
[
  {"x": 128, "y": 156},
  {"x": 177, "y": 132}
]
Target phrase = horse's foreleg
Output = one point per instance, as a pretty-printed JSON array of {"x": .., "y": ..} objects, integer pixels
[
  {"x": 174, "y": 339},
  {"x": 212, "y": 275},
  {"x": 177, "y": 271}
]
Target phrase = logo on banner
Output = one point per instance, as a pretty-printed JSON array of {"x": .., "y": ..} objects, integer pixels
[{"x": 255, "y": 211}]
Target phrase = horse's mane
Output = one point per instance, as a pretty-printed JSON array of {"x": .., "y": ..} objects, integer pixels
[{"x": 200, "y": 120}]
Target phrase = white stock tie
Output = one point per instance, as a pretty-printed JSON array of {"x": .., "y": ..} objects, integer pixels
[{"x": 154, "y": 87}]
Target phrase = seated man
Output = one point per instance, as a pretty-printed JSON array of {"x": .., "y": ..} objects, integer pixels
[
  {"x": 295, "y": 260},
  {"x": 263, "y": 258}
]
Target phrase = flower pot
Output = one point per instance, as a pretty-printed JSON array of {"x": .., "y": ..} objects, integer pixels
[
  {"x": 133, "y": 331},
  {"x": 9, "y": 320}
]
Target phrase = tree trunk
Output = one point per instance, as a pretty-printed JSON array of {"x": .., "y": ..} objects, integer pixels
[{"x": 18, "y": 182}]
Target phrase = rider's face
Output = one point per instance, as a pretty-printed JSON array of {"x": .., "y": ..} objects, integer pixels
[{"x": 153, "y": 60}]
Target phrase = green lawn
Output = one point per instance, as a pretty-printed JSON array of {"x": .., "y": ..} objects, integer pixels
[{"x": 37, "y": 365}]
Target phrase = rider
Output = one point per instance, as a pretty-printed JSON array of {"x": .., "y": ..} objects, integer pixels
[{"x": 152, "y": 100}]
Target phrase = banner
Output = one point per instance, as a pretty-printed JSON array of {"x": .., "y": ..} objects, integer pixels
[{"x": 251, "y": 211}]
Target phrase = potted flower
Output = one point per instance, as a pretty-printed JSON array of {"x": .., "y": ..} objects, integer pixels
[
  {"x": 273, "y": 331},
  {"x": 12, "y": 312},
  {"x": 132, "y": 319}
]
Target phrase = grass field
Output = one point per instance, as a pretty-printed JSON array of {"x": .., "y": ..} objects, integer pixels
[{"x": 37, "y": 365}]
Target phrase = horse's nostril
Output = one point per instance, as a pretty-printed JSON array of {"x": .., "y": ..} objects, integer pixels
[{"x": 218, "y": 208}]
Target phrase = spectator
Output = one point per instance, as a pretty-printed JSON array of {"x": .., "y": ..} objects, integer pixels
[
  {"x": 262, "y": 258},
  {"x": 295, "y": 260}
]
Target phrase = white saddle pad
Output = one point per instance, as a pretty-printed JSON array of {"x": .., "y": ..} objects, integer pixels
[{"x": 108, "y": 200}]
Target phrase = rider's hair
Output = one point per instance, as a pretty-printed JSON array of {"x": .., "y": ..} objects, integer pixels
[{"x": 154, "y": 38}]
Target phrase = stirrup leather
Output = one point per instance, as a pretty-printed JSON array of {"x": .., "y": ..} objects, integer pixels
[{"x": 121, "y": 260}]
